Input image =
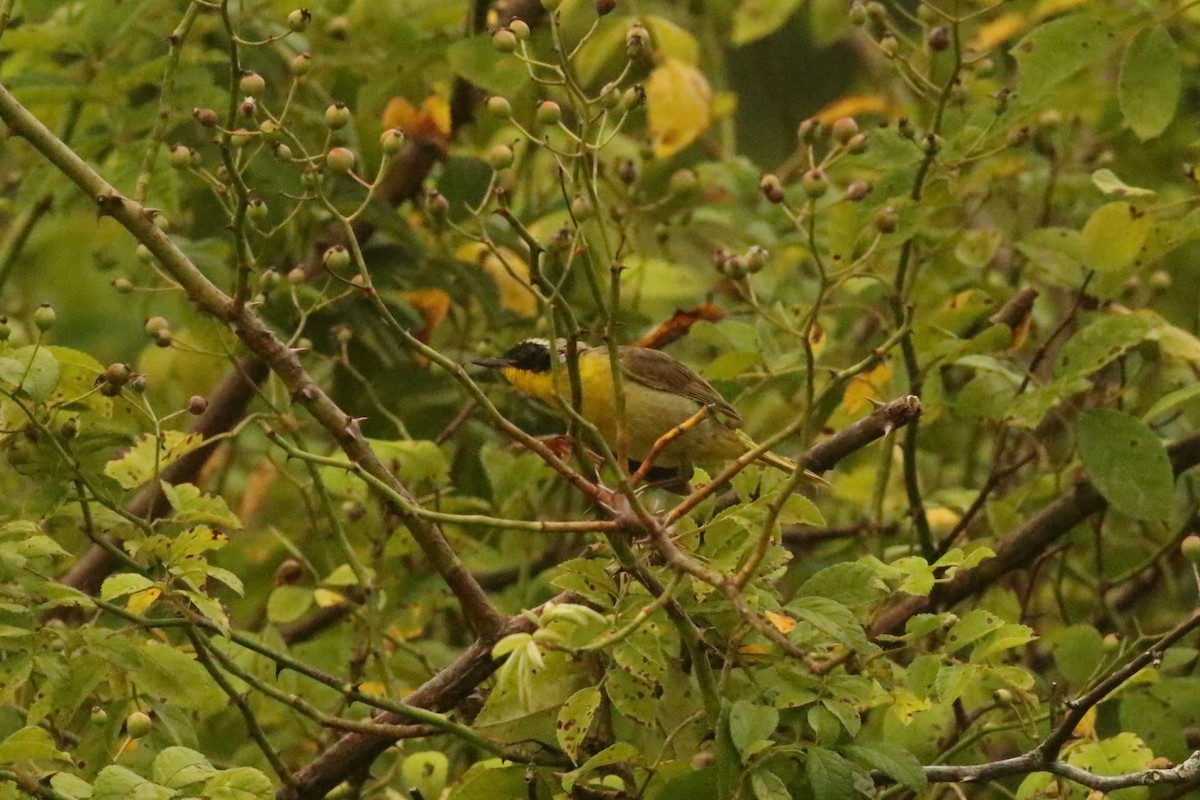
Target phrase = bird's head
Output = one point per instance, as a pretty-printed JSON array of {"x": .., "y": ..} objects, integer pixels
[{"x": 531, "y": 355}]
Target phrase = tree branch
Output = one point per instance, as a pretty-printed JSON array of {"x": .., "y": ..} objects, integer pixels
[
  {"x": 260, "y": 340},
  {"x": 1021, "y": 547}
]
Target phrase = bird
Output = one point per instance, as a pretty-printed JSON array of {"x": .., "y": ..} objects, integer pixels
[{"x": 660, "y": 394}]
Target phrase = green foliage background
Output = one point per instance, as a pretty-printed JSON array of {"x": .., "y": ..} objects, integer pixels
[{"x": 1031, "y": 150}]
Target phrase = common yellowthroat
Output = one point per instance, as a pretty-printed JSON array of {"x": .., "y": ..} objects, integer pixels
[{"x": 660, "y": 394}]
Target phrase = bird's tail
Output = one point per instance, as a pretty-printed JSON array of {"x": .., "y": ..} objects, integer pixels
[{"x": 782, "y": 462}]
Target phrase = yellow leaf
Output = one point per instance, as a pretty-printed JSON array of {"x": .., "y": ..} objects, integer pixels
[
  {"x": 430, "y": 124},
  {"x": 998, "y": 31},
  {"x": 782, "y": 622},
  {"x": 508, "y": 270},
  {"x": 942, "y": 519},
  {"x": 433, "y": 304},
  {"x": 1087, "y": 726},
  {"x": 760, "y": 649},
  {"x": 138, "y": 602},
  {"x": 678, "y": 106},
  {"x": 853, "y": 105},
  {"x": 374, "y": 687},
  {"x": 327, "y": 597},
  {"x": 865, "y": 387}
]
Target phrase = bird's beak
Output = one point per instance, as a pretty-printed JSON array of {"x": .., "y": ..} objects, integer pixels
[{"x": 492, "y": 363}]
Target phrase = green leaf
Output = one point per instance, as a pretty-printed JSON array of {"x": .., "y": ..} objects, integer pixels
[
  {"x": 619, "y": 753},
  {"x": 177, "y": 767},
  {"x": 29, "y": 743},
  {"x": 39, "y": 547},
  {"x": 1077, "y": 652},
  {"x": 575, "y": 721},
  {"x": 426, "y": 772},
  {"x": 851, "y": 583},
  {"x": 1107, "y": 181},
  {"x": 477, "y": 60},
  {"x": 755, "y": 19},
  {"x": 1107, "y": 337},
  {"x": 138, "y": 464},
  {"x": 33, "y": 369},
  {"x": 239, "y": 783},
  {"x": 631, "y": 696},
  {"x": 1113, "y": 236},
  {"x": 119, "y": 783},
  {"x": 288, "y": 603},
  {"x": 1127, "y": 463},
  {"x": 830, "y": 775},
  {"x": 832, "y": 618},
  {"x": 972, "y": 626},
  {"x": 70, "y": 786},
  {"x": 1171, "y": 401},
  {"x": 191, "y": 505},
  {"x": 768, "y": 786},
  {"x": 1054, "y": 52},
  {"x": 587, "y": 577},
  {"x": 172, "y": 674},
  {"x": 1151, "y": 81},
  {"x": 799, "y": 510},
  {"x": 122, "y": 584},
  {"x": 750, "y": 723},
  {"x": 892, "y": 760},
  {"x": 1006, "y": 637},
  {"x": 976, "y": 248}
]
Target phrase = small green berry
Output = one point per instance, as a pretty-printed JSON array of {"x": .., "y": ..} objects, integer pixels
[
  {"x": 296, "y": 276},
  {"x": 815, "y": 183},
  {"x": 137, "y": 384},
  {"x": 252, "y": 84},
  {"x": 5, "y": 329},
  {"x": 504, "y": 40},
  {"x": 337, "y": 116},
  {"x": 256, "y": 209},
  {"x": 138, "y": 724},
  {"x": 549, "y": 112},
  {"x": 633, "y": 97},
  {"x": 197, "y": 404},
  {"x": 519, "y": 28},
  {"x": 499, "y": 107},
  {"x": 500, "y": 156},
  {"x": 683, "y": 181},
  {"x": 99, "y": 715},
  {"x": 1190, "y": 547},
  {"x": 182, "y": 156},
  {"x": 637, "y": 40},
  {"x": 156, "y": 324},
  {"x": 298, "y": 20},
  {"x": 44, "y": 317},
  {"x": 610, "y": 96},
  {"x": 843, "y": 129},
  {"x": 300, "y": 64},
  {"x": 391, "y": 140},
  {"x": 581, "y": 208},
  {"x": 340, "y": 160},
  {"x": 122, "y": 285},
  {"x": 336, "y": 258}
]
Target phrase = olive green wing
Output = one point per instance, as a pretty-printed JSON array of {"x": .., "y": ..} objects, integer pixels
[{"x": 657, "y": 370}]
